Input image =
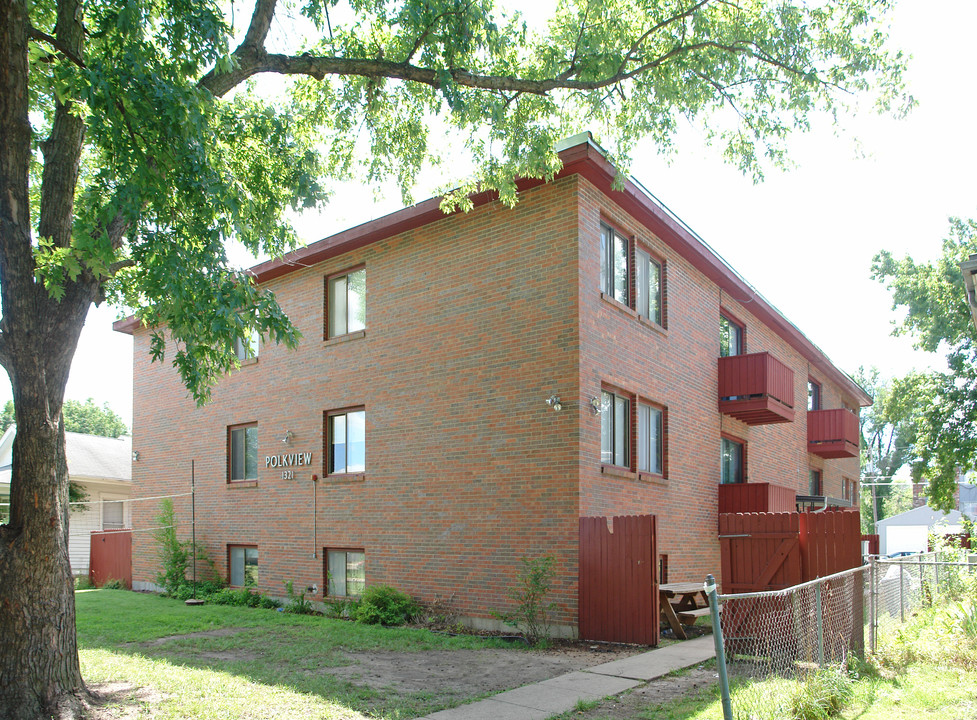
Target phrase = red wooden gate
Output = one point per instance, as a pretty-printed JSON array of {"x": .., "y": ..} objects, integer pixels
[
  {"x": 111, "y": 557},
  {"x": 759, "y": 551},
  {"x": 770, "y": 551},
  {"x": 617, "y": 583}
]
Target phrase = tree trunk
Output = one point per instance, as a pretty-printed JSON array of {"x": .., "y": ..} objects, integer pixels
[{"x": 39, "y": 671}]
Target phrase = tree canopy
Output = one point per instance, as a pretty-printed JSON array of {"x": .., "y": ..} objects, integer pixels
[
  {"x": 80, "y": 417},
  {"x": 942, "y": 406}
]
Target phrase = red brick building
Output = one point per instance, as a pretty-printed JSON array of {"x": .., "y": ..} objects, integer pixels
[{"x": 468, "y": 386}]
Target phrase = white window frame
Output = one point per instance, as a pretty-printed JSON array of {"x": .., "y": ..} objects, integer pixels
[
  {"x": 615, "y": 429},
  {"x": 231, "y": 431},
  {"x": 332, "y": 418},
  {"x": 651, "y": 438},
  {"x": 339, "y": 586},
  {"x": 345, "y": 308},
  {"x": 648, "y": 304}
]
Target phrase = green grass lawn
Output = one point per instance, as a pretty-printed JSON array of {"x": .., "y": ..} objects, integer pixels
[{"x": 231, "y": 662}]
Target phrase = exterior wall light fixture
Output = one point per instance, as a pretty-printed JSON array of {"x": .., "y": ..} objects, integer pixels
[
  {"x": 287, "y": 437},
  {"x": 595, "y": 405},
  {"x": 554, "y": 402},
  {"x": 135, "y": 456}
]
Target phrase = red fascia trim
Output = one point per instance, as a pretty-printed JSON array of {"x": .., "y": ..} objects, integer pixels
[{"x": 126, "y": 325}]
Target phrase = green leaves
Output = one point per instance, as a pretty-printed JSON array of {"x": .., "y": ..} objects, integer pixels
[{"x": 942, "y": 406}]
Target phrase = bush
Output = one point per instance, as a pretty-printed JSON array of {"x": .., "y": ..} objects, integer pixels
[
  {"x": 532, "y": 609},
  {"x": 344, "y": 609},
  {"x": 296, "y": 601},
  {"x": 114, "y": 584},
  {"x": 823, "y": 695},
  {"x": 384, "y": 605}
]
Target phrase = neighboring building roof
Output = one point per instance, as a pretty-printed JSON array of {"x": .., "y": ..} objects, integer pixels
[
  {"x": 923, "y": 515},
  {"x": 581, "y": 156},
  {"x": 89, "y": 456}
]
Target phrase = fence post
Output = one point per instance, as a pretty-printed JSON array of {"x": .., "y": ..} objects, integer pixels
[
  {"x": 922, "y": 583},
  {"x": 872, "y": 602},
  {"x": 717, "y": 635},
  {"x": 818, "y": 609},
  {"x": 902, "y": 592}
]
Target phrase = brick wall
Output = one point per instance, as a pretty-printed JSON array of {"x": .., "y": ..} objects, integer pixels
[
  {"x": 470, "y": 327},
  {"x": 676, "y": 366},
  {"x": 472, "y": 322}
]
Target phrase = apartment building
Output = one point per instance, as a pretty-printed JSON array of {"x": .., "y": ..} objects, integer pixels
[{"x": 469, "y": 386}]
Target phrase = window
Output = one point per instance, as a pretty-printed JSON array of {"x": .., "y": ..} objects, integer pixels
[
  {"x": 615, "y": 429},
  {"x": 113, "y": 515},
  {"x": 663, "y": 568},
  {"x": 814, "y": 483},
  {"x": 813, "y": 395},
  {"x": 242, "y": 461},
  {"x": 651, "y": 439},
  {"x": 850, "y": 490},
  {"x": 345, "y": 572},
  {"x": 242, "y": 563},
  {"x": 614, "y": 270},
  {"x": 648, "y": 281},
  {"x": 730, "y": 337},
  {"x": 346, "y": 303},
  {"x": 346, "y": 435},
  {"x": 733, "y": 461},
  {"x": 246, "y": 348}
]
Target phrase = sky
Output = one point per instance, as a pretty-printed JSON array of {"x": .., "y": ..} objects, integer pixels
[{"x": 804, "y": 238}]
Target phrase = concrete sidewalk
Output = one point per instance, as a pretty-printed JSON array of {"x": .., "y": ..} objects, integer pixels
[{"x": 557, "y": 695}]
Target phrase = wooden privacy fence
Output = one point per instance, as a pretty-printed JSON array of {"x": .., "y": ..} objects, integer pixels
[
  {"x": 111, "y": 557},
  {"x": 771, "y": 551},
  {"x": 617, "y": 583}
]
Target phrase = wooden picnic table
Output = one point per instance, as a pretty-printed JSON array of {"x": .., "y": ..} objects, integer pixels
[{"x": 681, "y": 604}]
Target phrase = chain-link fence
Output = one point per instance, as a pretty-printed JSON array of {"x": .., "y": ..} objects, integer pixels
[
  {"x": 822, "y": 623},
  {"x": 788, "y": 631},
  {"x": 900, "y": 586}
]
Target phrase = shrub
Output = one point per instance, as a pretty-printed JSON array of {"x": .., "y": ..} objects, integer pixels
[
  {"x": 384, "y": 605},
  {"x": 342, "y": 609},
  {"x": 824, "y": 694},
  {"x": 531, "y": 615},
  {"x": 174, "y": 555},
  {"x": 114, "y": 584},
  {"x": 296, "y": 601}
]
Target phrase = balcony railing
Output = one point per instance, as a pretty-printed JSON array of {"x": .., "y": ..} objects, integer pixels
[
  {"x": 832, "y": 433},
  {"x": 757, "y": 389},
  {"x": 756, "y": 497}
]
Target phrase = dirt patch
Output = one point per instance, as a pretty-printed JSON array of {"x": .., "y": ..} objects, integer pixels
[
  {"x": 121, "y": 701},
  {"x": 642, "y": 701},
  {"x": 468, "y": 673},
  {"x": 222, "y": 632}
]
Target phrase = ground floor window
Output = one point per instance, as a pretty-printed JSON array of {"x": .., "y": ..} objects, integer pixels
[
  {"x": 814, "y": 483},
  {"x": 345, "y": 572},
  {"x": 242, "y": 565},
  {"x": 113, "y": 515},
  {"x": 733, "y": 459}
]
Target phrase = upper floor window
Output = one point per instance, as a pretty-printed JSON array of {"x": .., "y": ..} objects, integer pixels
[
  {"x": 648, "y": 287},
  {"x": 615, "y": 429},
  {"x": 346, "y": 436},
  {"x": 730, "y": 337},
  {"x": 346, "y": 303},
  {"x": 246, "y": 348},
  {"x": 651, "y": 439},
  {"x": 813, "y": 396},
  {"x": 242, "y": 452},
  {"x": 615, "y": 271},
  {"x": 733, "y": 460}
]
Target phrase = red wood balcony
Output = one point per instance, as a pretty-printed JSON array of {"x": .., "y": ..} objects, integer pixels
[
  {"x": 832, "y": 433},
  {"x": 756, "y": 497},
  {"x": 757, "y": 389}
]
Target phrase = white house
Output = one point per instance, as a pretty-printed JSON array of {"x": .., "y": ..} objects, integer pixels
[
  {"x": 910, "y": 531},
  {"x": 102, "y": 466}
]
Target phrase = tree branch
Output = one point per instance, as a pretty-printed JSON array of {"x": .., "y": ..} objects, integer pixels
[
  {"x": 34, "y": 34},
  {"x": 264, "y": 12}
]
